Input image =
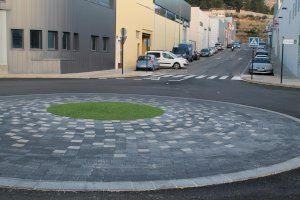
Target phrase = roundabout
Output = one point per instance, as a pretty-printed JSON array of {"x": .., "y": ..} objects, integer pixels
[{"x": 193, "y": 143}]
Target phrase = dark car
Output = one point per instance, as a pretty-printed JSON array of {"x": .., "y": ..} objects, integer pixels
[
  {"x": 229, "y": 45},
  {"x": 184, "y": 51},
  {"x": 196, "y": 55},
  {"x": 206, "y": 52}
]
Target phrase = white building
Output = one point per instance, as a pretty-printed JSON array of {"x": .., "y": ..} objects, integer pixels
[
  {"x": 199, "y": 28},
  {"x": 207, "y": 29},
  {"x": 287, "y": 24}
]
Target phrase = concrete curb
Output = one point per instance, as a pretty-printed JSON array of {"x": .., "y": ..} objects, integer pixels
[
  {"x": 75, "y": 76},
  {"x": 269, "y": 84},
  {"x": 153, "y": 185}
]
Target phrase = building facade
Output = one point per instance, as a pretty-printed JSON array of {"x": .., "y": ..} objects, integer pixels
[
  {"x": 199, "y": 29},
  {"x": 208, "y": 28},
  {"x": 150, "y": 25},
  {"x": 57, "y": 36},
  {"x": 287, "y": 24}
]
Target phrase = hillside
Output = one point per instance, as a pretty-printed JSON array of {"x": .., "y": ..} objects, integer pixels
[{"x": 261, "y": 6}]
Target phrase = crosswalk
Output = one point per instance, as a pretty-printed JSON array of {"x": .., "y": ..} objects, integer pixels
[{"x": 183, "y": 77}]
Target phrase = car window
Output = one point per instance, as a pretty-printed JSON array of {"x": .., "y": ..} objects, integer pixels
[
  {"x": 167, "y": 56},
  {"x": 157, "y": 55},
  {"x": 261, "y": 60}
]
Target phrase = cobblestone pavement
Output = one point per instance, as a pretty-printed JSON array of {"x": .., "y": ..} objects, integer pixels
[{"x": 194, "y": 138}]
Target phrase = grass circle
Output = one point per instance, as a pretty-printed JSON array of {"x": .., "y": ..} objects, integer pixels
[{"x": 105, "y": 111}]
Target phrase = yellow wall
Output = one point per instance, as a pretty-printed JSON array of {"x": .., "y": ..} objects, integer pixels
[{"x": 139, "y": 15}]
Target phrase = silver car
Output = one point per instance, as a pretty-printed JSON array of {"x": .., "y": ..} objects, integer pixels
[{"x": 261, "y": 66}]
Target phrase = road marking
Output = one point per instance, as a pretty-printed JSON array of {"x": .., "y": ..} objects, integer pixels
[
  {"x": 212, "y": 77},
  {"x": 166, "y": 76},
  {"x": 201, "y": 77},
  {"x": 138, "y": 79},
  {"x": 185, "y": 78},
  {"x": 178, "y": 76},
  {"x": 223, "y": 77},
  {"x": 240, "y": 58},
  {"x": 236, "y": 78}
]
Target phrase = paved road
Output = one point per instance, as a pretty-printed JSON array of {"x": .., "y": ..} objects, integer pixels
[{"x": 227, "y": 63}]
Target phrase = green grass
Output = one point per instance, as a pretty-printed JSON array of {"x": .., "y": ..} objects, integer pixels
[{"x": 105, "y": 111}]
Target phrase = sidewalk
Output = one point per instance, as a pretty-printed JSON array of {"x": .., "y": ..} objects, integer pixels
[
  {"x": 84, "y": 75},
  {"x": 289, "y": 80}
]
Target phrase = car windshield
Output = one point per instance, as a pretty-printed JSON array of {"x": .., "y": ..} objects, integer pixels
[
  {"x": 261, "y": 60},
  {"x": 172, "y": 54},
  {"x": 177, "y": 50},
  {"x": 205, "y": 50},
  {"x": 261, "y": 53},
  {"x": 144, "y": 58}
]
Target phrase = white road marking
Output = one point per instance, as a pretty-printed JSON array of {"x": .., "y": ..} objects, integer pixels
[
  {"x": 178, "y": 76},
  {"x": 166, "y": 76},
  {"x": 240, "y": 58},
  {"x": 201, "y": 77},
  {"x": 212, "y": 77},
  {"x": 236, "y": 78},
  {"x": 223, "y": 77}
]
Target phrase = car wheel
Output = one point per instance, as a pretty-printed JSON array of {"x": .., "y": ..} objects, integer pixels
[{"x": 176, "y": 66}]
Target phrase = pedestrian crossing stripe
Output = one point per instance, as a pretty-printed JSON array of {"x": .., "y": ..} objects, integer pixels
[{"x": 183, "y": 77}]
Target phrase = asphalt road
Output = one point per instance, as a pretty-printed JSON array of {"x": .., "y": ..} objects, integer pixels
[{"x": 284, "y": 100}]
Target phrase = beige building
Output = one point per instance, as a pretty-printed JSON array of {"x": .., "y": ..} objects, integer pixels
[
  {"x": 56, "y": 36},
  {"x": 151, "y": 25},
  {"x": 199, "y": 28}
]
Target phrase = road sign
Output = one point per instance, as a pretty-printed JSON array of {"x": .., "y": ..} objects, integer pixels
[
  {"x": 253, "y": 42},
  {"x": 290, "y": 41},
  {"x": 123, "y": 32}
]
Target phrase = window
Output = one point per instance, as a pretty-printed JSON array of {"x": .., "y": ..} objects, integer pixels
[
  {"x": 66, "y": 41},
  {"x": 167, "y": 56},
  {"x": 17, "y": 36},
  {"x": 105, "y": 43},
  {"x": 36, "y": 41},
  {"x": 76, "y": 42},
  {"x": 53, "y": 40},
  {"x": 157, "y": 55},
  {"x": 95, "y": 43}
]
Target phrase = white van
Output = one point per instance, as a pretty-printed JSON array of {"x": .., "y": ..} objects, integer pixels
[{"x": 168, "y": 59}]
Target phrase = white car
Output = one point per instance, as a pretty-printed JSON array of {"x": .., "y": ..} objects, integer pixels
[
  {"x": 168, "y": 59},
  {"x": 263, "y": 56},
  {"x": 261, "y": 66}
]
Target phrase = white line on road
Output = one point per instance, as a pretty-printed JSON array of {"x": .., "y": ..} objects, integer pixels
[
  {"x": 179, "y": 76},
  {"x": 223, "y": 77},
  {"x": 236, "y": 78},
  {"x": 212, "y": 77},
  {"x": 201, "y": 77}
]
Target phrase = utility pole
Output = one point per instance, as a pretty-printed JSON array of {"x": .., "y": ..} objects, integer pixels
[{"x": 282, "y": 56}]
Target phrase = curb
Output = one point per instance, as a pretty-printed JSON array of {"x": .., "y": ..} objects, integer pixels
[
  {"x": 76, "y": 77},
  {"x": 270, "y": 84},
  {"x": 152, "y": 185}
]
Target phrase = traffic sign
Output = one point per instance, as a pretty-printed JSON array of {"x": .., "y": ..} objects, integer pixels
[
  {"x": 254, "y": 42},
  {"x": 290, "y": 41}
]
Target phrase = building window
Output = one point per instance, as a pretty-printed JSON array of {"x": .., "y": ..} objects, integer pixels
[
  {"x": 36, "y": 41},
  {"x": 76, "y": 42},
  {"x": 17, "y": 36},
  {"x": 94, "y": 43},
  {"x": 66, "y": 41},
  {"x": 105, "y": 43},
  {"x": 53, "y": 40}
]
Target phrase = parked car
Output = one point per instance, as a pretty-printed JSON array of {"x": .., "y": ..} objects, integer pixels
[
  {"x": 168, "y": 59},
  {"x": 184, "y": 51},
  {"x": 261, "y": 52},
  {"x": 229, "y": 45},
  {"x": 219, "y": 46},
  {"x": 237, "y": 45},
  {"x": 206, "y": 52},
  {"x": 261, "y": 66},
  {"x": 262, "y": 45},
  {"x": 196, "y": 55},
  {"x": 148, "y": 62},
  {"x": 212, "y": 51},
  {"x": 263, "y": 56}
]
